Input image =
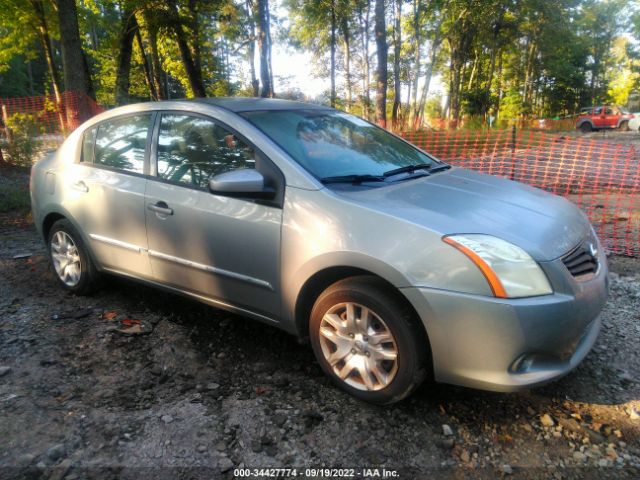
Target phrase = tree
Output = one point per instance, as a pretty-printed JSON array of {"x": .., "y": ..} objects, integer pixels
[
  {"x": 76, "y": 70},
  {"x": 251, "y": 47},
  {"x": 364, "y": 11},
  {"x": 151, "y": 26},
  {"x": 42, "y": 27},
  {"x": 600, "y": 22},
  {"x": 346, "y": 15},
  {"x": 381, "y": 70},
  {"x": 264, "y": 47},
  {"x": 129, "y": 30},
  {"x": 397, "y": 45},
  {"x": 517, "y": 59},
  {"x": 190, "y": 62},
  {"x": 315, "y": 26}
]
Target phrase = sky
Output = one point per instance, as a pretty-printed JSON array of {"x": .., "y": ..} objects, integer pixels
[{"x": 297, "y": 67}]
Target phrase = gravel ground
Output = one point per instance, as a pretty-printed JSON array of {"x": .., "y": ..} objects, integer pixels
[{"x": 198, "y": 392}]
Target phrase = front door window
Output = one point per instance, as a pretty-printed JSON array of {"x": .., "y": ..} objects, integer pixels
[{"x": 193, "y": 149}]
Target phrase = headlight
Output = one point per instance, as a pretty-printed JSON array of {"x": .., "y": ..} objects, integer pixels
[{"x": 510, "y": 271}]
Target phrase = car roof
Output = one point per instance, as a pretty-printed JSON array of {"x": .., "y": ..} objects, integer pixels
[{"x": 247, "y": 104}]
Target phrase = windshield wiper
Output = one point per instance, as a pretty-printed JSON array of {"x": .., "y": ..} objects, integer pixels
[
  {"x": 428, "y": 167},
  {"x": 353, "y": 179}
]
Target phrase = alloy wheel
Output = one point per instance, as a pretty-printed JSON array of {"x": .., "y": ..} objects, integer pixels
[
  {"x": 359, "y": 346},
  {"x": 66, "y": 258}
]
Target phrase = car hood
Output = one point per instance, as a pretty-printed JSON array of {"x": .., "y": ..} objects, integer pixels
[{"x": 464, "y": 201}]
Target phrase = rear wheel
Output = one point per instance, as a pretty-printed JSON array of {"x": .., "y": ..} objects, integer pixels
[
  {"x": 71, "y": 262},
  {"x": 368, "y": 340},
  {"x": 586, "y": 127}
]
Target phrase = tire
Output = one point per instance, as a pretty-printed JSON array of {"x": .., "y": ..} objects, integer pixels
[
  {"x": 586, "y": 127},
  {"x": 394, "y": 366},
  {"x": 70, "y": 259},
  {"x": 624, "y": 126}
]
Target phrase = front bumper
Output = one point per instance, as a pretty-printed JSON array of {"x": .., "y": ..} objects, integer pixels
[{"x": 510, "y": 344}]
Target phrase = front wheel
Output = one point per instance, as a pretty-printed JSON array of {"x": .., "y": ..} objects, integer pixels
[
  {"x": 368, "y": 340},
  {"x": 71, "y": 262},
  {"x": 624, "y": 126}
]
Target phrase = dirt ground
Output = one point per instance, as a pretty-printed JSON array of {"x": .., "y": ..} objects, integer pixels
[{"x": 200, "y": 393}]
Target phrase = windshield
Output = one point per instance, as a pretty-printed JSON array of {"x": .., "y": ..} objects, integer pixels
[{"x": 328, "y": 143}]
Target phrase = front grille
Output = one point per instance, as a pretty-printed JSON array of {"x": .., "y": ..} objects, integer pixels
[{"x": 582, "y": 260}]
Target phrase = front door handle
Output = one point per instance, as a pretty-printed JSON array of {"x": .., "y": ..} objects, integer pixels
[
  {"x": 160, "y": 207},
  {"x": 80, "y": 186}
]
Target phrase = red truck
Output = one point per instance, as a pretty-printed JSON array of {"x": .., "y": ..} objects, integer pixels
[{"x": 603, "y": 116}]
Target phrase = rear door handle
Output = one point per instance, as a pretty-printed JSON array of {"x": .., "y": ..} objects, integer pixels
[
  {"x": 160, "y": 207},
  {"x": 80, "y": 186}
]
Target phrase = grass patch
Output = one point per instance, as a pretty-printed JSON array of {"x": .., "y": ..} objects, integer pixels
[{"x": 14, "y": 199}]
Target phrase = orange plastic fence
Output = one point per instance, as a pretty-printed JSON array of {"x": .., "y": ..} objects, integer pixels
[
  {"x": 600, "y": 176},
  {"x": 55, "y": 116}
]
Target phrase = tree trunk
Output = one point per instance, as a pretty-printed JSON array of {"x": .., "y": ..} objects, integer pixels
[
  {"x": 45, "y": 40},
  {"x": 195, "y": 81},
  {"x": 474, "y": 70},
  {"x": 528, "y": 82},
  {"x": 30, "y": 77},
  {"x": 381, "y": 76},
  {"x": 497, "y": 28},
  {"x": 195, "y": 32},
  {"x": 454, "y": 91},
  {"x": 492, "y": 68},
  {"x": 366, "y": 85},
  {"x": 459, "y": 46},
  {"x": 251, "y": 49},
  {"x": 152, "y": 32},
  {"x": 125, "y": 50},
  {"x": 397, "y": 43},
  {"x": 346, "y": 37},
  {"x": 269, "y": 45},
  {"x": 263, "y": 47},
  {"x": 153, "y": 93},
  {"x": 193, "y": 74},
  {"x": 417, "y": 120},
  {"x": 333, "y": 54},
  {"x": 416, "y": 60},
  {"x": 74, "y": 62},
  {"x": 500, "y": 90}
]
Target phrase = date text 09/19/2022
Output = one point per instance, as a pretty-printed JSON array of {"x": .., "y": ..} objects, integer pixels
[{"x": 315, "y": 473}]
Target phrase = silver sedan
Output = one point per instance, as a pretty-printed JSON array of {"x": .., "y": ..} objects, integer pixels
[{"x": 396, "y": 266}]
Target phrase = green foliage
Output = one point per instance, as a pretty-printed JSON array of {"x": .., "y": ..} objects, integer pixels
[
  {"x": 433, "y": 107},
  {"x": 624, "y": 75},
  {"x": 511, "y": 106},
  {"x": 477, "y": 101},
  {"x": 14, "y": 81},
  {"x": 24, "y": 129},
  {"x": 515, "y": 59},
  {"x": 13, "y": 198}
]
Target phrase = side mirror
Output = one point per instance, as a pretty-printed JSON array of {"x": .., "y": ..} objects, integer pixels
[{"x": 245, "y": 182}]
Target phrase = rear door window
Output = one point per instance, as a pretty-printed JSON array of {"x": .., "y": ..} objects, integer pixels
[
  {"x": 88, "y": 142},
  {"x": 121, "y": 142}
]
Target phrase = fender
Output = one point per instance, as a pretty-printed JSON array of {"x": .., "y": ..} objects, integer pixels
[
  {"x": 621, "y": 121},
  {"x": 292, "y": 286},
  {"x": 60, "y": 210}
]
